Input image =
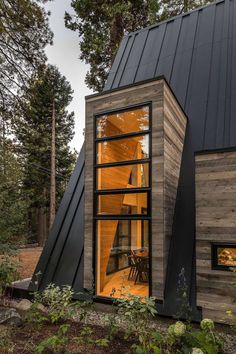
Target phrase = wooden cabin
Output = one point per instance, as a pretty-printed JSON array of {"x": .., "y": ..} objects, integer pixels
[{"x": 154, "y": 188}]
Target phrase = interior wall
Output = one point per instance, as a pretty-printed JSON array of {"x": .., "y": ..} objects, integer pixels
[{"x": 215, "y": 222}]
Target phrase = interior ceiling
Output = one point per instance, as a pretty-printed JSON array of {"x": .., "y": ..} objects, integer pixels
[{"x": 129, "y": 121}]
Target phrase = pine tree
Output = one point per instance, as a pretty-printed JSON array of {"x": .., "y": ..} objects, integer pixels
[
  {"x": 176, "y": 7},
  {"x": 34, "y": 131},
  {"x": 101, "y": 25},
  {"x": 13, "y": 207},
  {"x": 24, "y": 33}
]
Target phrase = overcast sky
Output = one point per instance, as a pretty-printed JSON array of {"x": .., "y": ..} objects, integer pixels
[{"x": 65, "y": 55}]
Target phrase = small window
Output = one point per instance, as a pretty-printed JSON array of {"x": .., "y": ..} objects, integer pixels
[
  {"x": 132, "y": 148},
  {"x": 223, "y": 256},
  {"x": 129, "y": 121},
  {"x": 118, "y": 204},
  {"x": 123, "y": 177}
]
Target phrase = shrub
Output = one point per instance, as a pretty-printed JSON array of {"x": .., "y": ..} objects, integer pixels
[
  {"x": 207, "y": 324},
  {"x": 230, "y": 313},
  {"x": 58, "y": 304},
  {"x": 55, "y": 343},
  {"x": 204, "y": 339},
  {"x": 184, "y": 308},
  {"x": 58, "y": 301},
  {"x": 6, "y": 344},
  {"x": 197, "y": 351},
  {"x": 136, "y": 312},
  {"x": 9, "y": 272}
]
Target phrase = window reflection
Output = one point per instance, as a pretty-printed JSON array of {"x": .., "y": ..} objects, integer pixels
[
  {"x": 131, "y": 203},
  {"x": 123, "y": 122},
  {"x": 120, "y": 245},
  {"x": 134, "y": 148},
  {"x": 226, "y": 256},
  {"x": 120, "y": 177}
]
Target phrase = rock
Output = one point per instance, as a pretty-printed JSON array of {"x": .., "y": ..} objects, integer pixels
[
  {"x": 10, "y": 316},
  {"x": 24, "y": 305},
  {"x": 42, "y": 308},
  {"x": 13, "y": 303}
]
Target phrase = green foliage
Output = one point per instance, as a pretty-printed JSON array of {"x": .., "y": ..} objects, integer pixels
[
  {"x": 186, "y": 338},
  {"x": 9, "y": 272},
  {"x": 136, "y": 312},
  {"x": 151, "y": 342},
  {"x": 102, "y": 342},
  {"x": 102, "y": 24},
  {"x": 35, "y": 316},
  {"x": 55, "y": 343},
  {"x": 6, "y": 343},
  {"x": 33, "y": 126},
  {"x": 85, "y": 336},
  {"x": 184, "y": 308},
  {"x": 24, "y": 33},
  {"x": 171, "y": 8},
  {"x": 12, "y": 204},
  {"x": 230, "y": 312},
  {"x": 58, "y": 302},
  {"x": 111, "y": 322}
]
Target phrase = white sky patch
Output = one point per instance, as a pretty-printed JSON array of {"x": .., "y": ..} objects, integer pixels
[{"x": 65, "y": 55}]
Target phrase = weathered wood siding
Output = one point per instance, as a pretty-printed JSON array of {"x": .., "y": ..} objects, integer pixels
[
  {"x": 168, "y": 130},
  {"x": 215, "y": 222}
]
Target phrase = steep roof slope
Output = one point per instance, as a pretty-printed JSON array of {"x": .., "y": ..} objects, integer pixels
[
  {"x": 196, "y": 52},
  {"x": 61, "y": 261}
]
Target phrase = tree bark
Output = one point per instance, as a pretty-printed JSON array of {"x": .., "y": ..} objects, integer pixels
[
  {"x": 53, "y": 169},
  {"x": 41, "y": 226},
  {"x": 186, "y": 5}
]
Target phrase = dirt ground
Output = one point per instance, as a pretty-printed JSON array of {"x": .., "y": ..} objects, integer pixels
[
  {"x": 28, "y": 258},
  {"x": 24, "y": 339}
]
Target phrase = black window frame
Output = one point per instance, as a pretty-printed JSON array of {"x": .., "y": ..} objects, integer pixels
[
  {"x": 97, "y": 192},
  {"x": 214, "y": 255}
]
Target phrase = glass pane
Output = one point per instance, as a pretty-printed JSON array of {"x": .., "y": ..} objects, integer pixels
[
  {"x": 123, "y": 122},
  {"x": 120, "y": 177},
  {"x": 118, "y": 204},
  {"x": 122, "y": 257},
  {"x": 134, "y": 148},
  {"x": 226, "y": 256}
]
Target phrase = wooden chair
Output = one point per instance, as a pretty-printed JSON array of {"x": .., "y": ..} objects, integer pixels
[
  {"x": 142, "y": 274},
  {"x": 133, "y": 267}
]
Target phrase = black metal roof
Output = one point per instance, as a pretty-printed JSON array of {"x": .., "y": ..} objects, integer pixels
[
  {"x": 196, "y": 53},
  {"x": 61, "y": 261}
]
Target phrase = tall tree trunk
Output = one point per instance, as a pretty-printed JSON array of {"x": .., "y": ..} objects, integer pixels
[
  {"x": 116, "y": 34},
  {"x": 186, "y": 5},
  {"x": 53, "y": 169},
  {"x": 41, "y": 226}
]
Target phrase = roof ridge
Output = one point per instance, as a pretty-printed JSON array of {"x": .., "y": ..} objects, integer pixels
[{"x": 174, "y": 18}]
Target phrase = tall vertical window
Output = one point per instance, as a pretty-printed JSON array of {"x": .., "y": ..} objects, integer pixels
[{"x": 122, "y": 201}]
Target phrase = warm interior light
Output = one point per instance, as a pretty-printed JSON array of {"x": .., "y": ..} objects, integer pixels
[{"x": 122, "y": 244}]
